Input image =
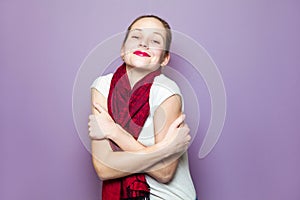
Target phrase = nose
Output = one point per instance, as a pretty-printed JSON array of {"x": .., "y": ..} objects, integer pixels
[{"x": 143, "y": 44}]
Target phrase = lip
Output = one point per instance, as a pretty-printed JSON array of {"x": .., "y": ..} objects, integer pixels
[{"x": 141, "y": 53}]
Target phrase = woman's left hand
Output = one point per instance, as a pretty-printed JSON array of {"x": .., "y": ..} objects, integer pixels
[{"x": 101, "y": 125}]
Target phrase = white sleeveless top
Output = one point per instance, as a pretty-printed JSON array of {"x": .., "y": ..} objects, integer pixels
[{"x": 181, "y": 186}]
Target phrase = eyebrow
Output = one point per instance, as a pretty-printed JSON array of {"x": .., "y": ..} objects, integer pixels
[
  {"x": 159, "y": 34},
  {"x": 138, "y": 29}
]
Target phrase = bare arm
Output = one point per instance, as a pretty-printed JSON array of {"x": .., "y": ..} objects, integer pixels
[
  {"x": 165, "y": 114},
  {"x": 110, "y": 165}
]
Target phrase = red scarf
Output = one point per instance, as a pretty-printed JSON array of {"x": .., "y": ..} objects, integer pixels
[{"x": 130, "y": 109}]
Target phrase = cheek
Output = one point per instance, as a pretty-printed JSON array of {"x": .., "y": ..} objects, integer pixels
[
  {"x": 127, "y": 49},
  {"x": 159, "y": 53},
  {"x": 130, "y": 45},
  {"x": 127, "y": 57}
]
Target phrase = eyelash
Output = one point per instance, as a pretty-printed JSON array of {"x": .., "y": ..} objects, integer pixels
[
  {"x": 156, "y": 41},
  {"x": 137, "y": 37}
]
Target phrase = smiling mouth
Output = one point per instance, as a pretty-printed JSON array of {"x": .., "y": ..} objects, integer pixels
[{"x": 142, "y": 54}]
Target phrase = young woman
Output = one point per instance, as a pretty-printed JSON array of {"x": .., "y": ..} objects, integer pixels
[{"x": 139, "y": 139}]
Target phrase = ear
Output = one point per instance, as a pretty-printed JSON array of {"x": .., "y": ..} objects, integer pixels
[{"x": 165, "y": 60}]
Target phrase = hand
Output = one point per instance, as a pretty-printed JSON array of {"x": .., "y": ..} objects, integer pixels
[
  {"x": 101, "y": 125},
  {"x": 177, "y": 138}
]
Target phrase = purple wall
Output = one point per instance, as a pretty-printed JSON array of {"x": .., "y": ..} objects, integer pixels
[{"x": 255, "y": 44}]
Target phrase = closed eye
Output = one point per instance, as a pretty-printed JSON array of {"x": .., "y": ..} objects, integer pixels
[
  {"x": 135, "y": 37},
  {"x": 156, "y": 41}
]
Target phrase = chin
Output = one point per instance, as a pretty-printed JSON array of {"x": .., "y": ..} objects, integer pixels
[{"x": 140, "y": 64}]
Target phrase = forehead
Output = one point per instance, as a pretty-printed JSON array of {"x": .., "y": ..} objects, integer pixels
[{"x": 149, "y": 23}]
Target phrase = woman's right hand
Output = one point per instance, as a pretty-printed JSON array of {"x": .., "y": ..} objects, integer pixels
[
  {"x": 177, "y": 138},
  {"x": 101, "y": 125}
]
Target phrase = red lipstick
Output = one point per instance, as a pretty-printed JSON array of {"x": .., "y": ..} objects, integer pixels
[{"x": 141, "y": 53}]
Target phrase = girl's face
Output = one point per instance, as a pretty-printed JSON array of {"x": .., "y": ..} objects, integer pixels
[{"x": 145, "y": 45}]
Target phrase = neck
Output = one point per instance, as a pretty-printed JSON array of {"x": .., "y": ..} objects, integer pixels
[{"x": 135, "y": 74}]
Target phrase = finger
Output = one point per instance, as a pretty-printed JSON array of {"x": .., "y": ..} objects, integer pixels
[
  {"x": 92, "y": 122},
  {"x": 189, "y": 138},
  {"x": 182, "y": 124},
  {"x": 178, "y": 121},
  {"x": 90, "y": 132},
  {"x": 91, "y": 135},
  {"x": 184, "y": 127},
  {"x": 98, "y": 107}
]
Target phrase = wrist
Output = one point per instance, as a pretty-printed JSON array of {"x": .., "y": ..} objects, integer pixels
[
  {"x": 163, "y": 148},
  {"x": 113, "y": 132}
]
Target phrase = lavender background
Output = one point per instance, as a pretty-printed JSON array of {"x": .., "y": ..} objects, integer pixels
[{"x": 255, "y": 44}]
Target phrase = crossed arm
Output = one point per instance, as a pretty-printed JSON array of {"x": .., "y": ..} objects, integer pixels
[{"x": 159, "y": 161}]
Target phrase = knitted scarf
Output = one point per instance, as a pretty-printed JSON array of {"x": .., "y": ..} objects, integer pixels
[{"x": 130, "y": 109}]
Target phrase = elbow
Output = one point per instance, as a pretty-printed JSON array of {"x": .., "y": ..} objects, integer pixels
[
  {"x": 102, "y": 176},
  {"x": 166, "y": 178},
  {"x": 166, "y": 174},
  {"x": 101, "y": 170}
]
